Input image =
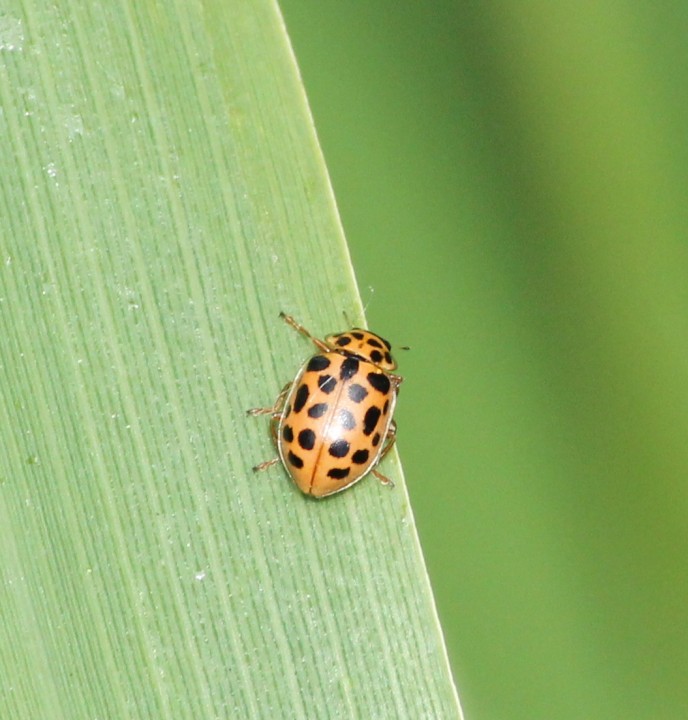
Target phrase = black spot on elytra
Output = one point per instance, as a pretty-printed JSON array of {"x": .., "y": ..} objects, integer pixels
[
  {"x": 358, "y": 335},
  {"x": 360, "y": 457},
  {"x": 349, "y": 368},
  {"x": 387, "y": 345},
  {"x": 339, "y": 448},
  {"x": 288, "y": 433},
  {"x": 307, "y": 439},
  {"x": 327, "y": 383},
  {"x": 338, "y": 473},
  {"x": 388, "y": 358},
  {"x": 346, "y": 419},
  {"x": 374, "y": 342},
  {"x": 300, "y": 398},
  {"x": 318, "y": 363},
  {"x": 376, "y": 356},
  {"x": 357, "y": 393},
  {"x": 380, "y": 382},
  {"x": 370, "y": 419},
  {"x": 385, "y": 407},
  {"x": 342, "y": 341},
  {"x": 317, "y": 410},
  {"x": 295, "y": 460},
  {"x": 376, "y": 439}
]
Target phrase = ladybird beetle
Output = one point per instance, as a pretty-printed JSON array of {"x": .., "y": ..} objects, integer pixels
[{"x": 333, "y": 424}]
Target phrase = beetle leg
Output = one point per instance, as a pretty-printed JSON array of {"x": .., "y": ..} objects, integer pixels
[
  {"x": 274, "y": 428},
  {"x": 389, "y": 442},
  {"x": 265, "y": 465},
  {"x": 277, "y": 406},
  {"x": 301, "y": 329},
  {"x": 276, "y": 412}
]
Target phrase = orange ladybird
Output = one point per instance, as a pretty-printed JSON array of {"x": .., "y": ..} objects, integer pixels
[{"x": 334, "y": 423}]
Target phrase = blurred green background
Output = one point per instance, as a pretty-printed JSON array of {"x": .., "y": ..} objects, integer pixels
[{"x": 512, "y": 180}]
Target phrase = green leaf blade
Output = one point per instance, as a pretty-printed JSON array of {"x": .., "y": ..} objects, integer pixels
[{"x": 163, "y": 198}]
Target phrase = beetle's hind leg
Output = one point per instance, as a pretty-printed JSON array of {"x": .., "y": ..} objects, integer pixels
[
  {"x": 276, "y": 412},
  {"x": 389, "y": 442}
]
